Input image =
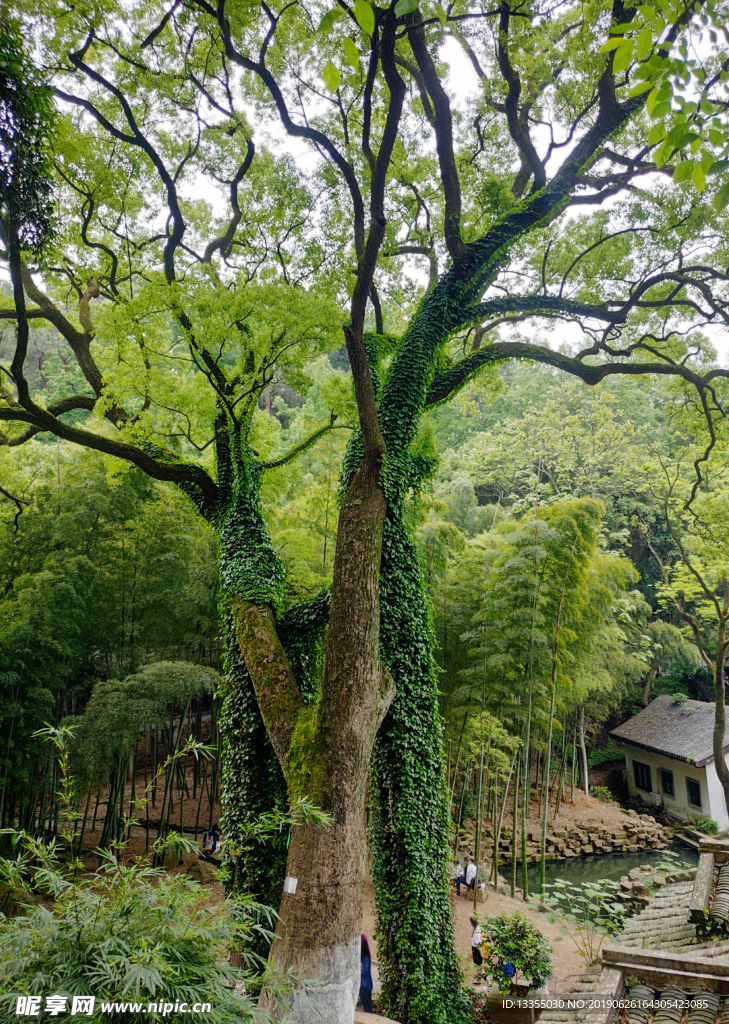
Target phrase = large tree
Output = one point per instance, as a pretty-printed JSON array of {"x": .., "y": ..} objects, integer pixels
[{"x": 153, "y": 102}]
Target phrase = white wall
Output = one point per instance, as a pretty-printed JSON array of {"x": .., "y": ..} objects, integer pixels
[
  {"x": 712, "y": 797},
  {"x": 716, "y": 796}
]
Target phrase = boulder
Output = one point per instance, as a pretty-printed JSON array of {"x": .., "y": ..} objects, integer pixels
[
  {"x": 634, "y": 874},
  {"x": 632, "y": 848},
  {"x": 202, "y": 871},
  {"x": 658, "y": 880}
]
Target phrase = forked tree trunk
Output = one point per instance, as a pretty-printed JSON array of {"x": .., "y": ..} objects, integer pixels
[{"x": 325, "y": 750}]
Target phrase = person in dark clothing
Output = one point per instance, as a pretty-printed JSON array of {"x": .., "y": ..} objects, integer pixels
[{"x": 365, "y": 984}]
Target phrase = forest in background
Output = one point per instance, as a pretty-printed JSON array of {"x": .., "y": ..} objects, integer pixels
[{"x": 105, "y": 572}]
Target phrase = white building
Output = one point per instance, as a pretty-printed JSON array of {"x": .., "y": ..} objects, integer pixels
[{"x": 669, "y": 758}]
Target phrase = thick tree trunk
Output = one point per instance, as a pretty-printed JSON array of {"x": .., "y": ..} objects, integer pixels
[{"x": 325, "y": 751}]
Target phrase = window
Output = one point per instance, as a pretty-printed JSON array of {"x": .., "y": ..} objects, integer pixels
[
  {"x": 642, "y": 773},
  {"x": 693, "y": 792},
  {"x": 667, "y": 782}
]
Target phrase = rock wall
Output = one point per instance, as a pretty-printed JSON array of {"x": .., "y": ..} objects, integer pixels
[{"x": 638, "y": 832}]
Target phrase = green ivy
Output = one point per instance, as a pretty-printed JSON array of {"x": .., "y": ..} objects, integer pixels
[{"x": 253, "y": 784}]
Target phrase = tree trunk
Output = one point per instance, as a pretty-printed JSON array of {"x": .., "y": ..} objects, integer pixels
[
  {"x": 325, "y": 750},
  {"x": 648, "y": 683},
  {"x": 583, "y": 752},
  {"x": 410, "y": 807}
]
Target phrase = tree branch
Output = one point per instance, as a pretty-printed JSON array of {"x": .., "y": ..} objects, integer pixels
[{"x": 275, "y": 463}]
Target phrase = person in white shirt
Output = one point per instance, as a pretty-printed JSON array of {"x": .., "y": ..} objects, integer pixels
[
  {"x": 469, "y": 876},
  {"x": 476, "y": 942}
]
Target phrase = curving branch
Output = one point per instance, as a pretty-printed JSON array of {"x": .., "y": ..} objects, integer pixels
[
  {"x": 259, "y": 69},
  {"x": 290, "y": 455},
  {"x": 516, "y": 118},
  {"x": 443, "y": 124},
  {"x": 447, "y": 382},
  {"x": 223, "y": 243},
  {"x": 18, "y": 502}
]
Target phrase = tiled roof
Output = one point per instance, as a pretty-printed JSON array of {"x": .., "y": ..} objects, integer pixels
[
  {"x": 664, "y": 926},
  {"x": 679, "y": 730}
]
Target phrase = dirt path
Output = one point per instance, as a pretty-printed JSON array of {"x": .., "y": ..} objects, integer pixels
[{"x": 566, "y": 963}]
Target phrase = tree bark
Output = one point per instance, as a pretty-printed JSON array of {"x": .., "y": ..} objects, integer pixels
[{"x": 327, "y": 760}]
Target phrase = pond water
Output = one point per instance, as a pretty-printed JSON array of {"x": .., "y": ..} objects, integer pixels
[{"x": 576, "y": 870}]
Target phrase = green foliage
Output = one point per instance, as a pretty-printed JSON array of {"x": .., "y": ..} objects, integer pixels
[
  {"x": 605, "y": 755},
  {"x": 587, "y": 913},
  {"x": 601, "y": 793},
  {"x": 706, "y": 824},
  {"x": 27, "y": 116},
  {"x": 515, "y": 940},
  {"x": 127, "y": 934},
  {"x": 118, "y": 711},
  {"x": 253, "y": 785}
]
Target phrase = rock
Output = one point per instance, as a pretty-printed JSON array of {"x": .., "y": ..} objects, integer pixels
[
  {"x": 634, "y": 874},
  {"x": 202, "y": 871},
  {"x": 640, "y": 889},
  {"x": 632, "y": 814},
  {"x": 626, "y": 886},
  {"x": 646, "y": 867},
  {"x": 587, "y": 848},
  {"x": 658, "y": 880},
  {"x": 632, "y": 848}
]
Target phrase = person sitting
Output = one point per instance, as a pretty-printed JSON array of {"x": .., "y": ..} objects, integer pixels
[
  {"x": 468, "y": 877},
  {"x": 458, "y": 874},
  {"x": 211, "y": 844}
]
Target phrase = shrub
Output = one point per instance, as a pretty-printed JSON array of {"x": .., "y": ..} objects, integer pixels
[
  {"x": 516, "y": 946},
  {"x": 131, "y": 934},
  {"x": 605, "y": 755},
  {"x": 601, "y": 793},
  {"x": 706, "y": 824}
]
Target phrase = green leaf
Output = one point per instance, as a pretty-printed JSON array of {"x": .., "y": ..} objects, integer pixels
[
  {"x": 326, "y": 23},
  {"x": 440, "y": 11},
  {"x": 403, "y": 7},
  {"x": 661, "y": 109},
  {"x": 351, "y": 53},
  {"x": 644, "y": 44},
  {"x": 721, "y": 199},
  {"x": 719, "y": 166},
  {"x": 365, "y": 16},
  {"x": 683, "y": 171},
  {"x": 612, "y": 44},
  {"x": 638, "y": 89},
  {"x": 656, "y": 134},
  {"x": 651, "y": 102},
  {"x": 707, "y": 162},
  {"x": 331, "y": 76},
  {"x": 698, "y": 178},
  {"x": 624, "y": 56}
]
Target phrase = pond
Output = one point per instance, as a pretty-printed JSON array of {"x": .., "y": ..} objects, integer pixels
[{"x": 609, "y": 865}]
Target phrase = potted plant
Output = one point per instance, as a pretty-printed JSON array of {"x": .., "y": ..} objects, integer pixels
[{"x": 518, "y": 958}]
